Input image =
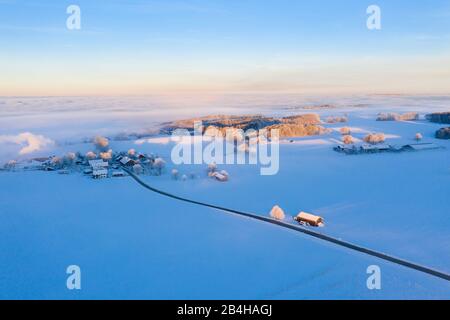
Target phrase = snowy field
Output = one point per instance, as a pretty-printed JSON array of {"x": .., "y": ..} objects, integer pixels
[{"x": 131, "y": 243}]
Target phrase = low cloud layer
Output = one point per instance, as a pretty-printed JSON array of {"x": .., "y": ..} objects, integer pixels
[{"x": 29, "y": 142}]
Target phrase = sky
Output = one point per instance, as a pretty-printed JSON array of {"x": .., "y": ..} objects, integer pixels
[{"x": 137, "y": 47}]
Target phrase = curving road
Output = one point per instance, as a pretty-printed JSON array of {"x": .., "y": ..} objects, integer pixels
[{"x": 298, "y": 228}]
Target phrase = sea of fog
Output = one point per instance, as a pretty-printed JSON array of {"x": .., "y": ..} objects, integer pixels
[{"x": 40, "y": 122}]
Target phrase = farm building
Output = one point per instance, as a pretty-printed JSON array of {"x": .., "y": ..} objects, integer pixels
[
  {"x": 346, "y": 149},
  {"x": 419, "y": 146},
  {"x": 220, "y": 176},
  {"x": 310, "y": 219},
  {"x": 99, "y": 173},
  {"x": 365, "y": 148},
  {"x": 369, "y": 148}
]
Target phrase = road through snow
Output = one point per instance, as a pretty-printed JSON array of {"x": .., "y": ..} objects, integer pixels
[{"x": 315, "y": 234}]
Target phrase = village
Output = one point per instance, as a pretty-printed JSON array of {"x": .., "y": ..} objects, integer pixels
[
  {"x": 104, "y": 163},
  {"x": 92, "y": 165},
  {"x": 119, "y": 165}
]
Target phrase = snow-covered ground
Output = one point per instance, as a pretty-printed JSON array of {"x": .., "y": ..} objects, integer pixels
[
  {"x": 131, "y": 243},
  {"x": 395, "y": 202}
]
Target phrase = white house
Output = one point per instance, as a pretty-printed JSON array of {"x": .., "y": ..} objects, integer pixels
[
  {"x": 127, "y": 161},
  {"x": 99, "y": 173},
  {"x": 98, "y": 163},
  {"x": 118, "y": 174}
]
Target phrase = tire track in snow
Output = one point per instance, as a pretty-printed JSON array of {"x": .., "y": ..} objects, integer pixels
[{"x": 336, "y": 241}]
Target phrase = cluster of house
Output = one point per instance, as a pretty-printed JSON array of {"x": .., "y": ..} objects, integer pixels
[
  {"x": 99, "y": 169},
  {"x": 93, "y": 166},
  {"x": 116, "y": 165},
  {"x": 377, "y": 148},
  {"x": 138, "y": 163}
]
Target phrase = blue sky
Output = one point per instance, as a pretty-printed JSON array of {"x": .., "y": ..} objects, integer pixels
[{"x": 145, "y": 47}]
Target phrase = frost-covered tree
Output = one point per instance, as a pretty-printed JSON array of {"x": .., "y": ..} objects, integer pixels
[
  {"x": 131, "y": 153},
  {"x": 10, "y": 165},
  {"x": 418, "y": 137},
  {"x": 212, "y": 167},
  {"x": 336, "y": 119},
  {"x": 374, "y": 138},
  {"x": 91, "y": 155},
  {"x": 101, "y": 143},
  {"x": 347, "y": 139},
  {"x": 56, "y": 162},
  {"x": 345, "y": 131},
  {"x": 69, "y": 159},
  {"x": 175, "y": 174},
  {"x": 137, "y": 169},
  {"x": 106, "y": 155},
  {"x": 159, "y": 165},
  {"x": 277, "y": 213}
]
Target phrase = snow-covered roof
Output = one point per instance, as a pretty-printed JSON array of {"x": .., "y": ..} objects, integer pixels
[
  {"x": 99, "y": 171},
  {"x": 346, "y": 146},
  {"x": 375, "y": 147},
  {"x": 98, "y": 163},
  {"x": 219, "y": 176},
  {"x": 422, "y": 146},
  {"x": 368, "y": 147},
  {"x": 125, "y": 160}
]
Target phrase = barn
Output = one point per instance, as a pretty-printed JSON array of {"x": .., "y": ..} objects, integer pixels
[{"x": 310, "y": 219}]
